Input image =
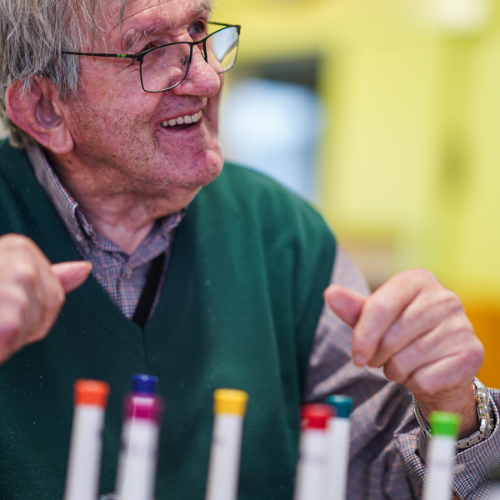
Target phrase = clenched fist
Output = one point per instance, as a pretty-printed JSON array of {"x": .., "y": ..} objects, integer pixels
[
  {"x": 32, "y": 292},
  {"x": 418, "y": 331}
]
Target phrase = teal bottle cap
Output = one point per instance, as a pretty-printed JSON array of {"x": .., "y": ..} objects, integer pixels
[
  {"x": 445, "y": 424},
  {"x": 342, "y": 405}
]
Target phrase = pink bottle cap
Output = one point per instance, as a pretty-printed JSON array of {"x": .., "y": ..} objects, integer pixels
[{"x": 145, "y": 408}]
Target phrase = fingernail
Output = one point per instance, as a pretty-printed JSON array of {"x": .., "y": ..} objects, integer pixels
[
  {"x": 359, "y": 360},
  {"x": 90, "y": 264}
]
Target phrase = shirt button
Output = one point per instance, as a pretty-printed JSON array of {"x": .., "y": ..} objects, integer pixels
[{"x": 127, "y": 273}]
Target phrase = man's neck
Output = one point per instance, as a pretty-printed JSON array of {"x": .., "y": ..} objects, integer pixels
[
  {"x": 113, "y": 207},
  {"x": 126, "y": 226}
]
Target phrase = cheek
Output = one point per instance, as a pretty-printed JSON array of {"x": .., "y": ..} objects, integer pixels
[
  {"x": 114, "y": 114},
  {"x": 116, "y": 97}
]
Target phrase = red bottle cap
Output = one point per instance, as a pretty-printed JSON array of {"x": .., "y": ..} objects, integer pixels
[
  {"x": 315, "y": 416},
  {"x": 91, "y": 392}
]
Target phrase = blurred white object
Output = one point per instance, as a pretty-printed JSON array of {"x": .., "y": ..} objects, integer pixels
[
  {"x": 338, "y": 447},
  {"x": 140, "y": 434},
  {"x": 311, "y": 465},
  {"x": 461, "y": 16},
  {"x": 441, "y": 455},
  {"x": 495, "y": 493},
  {"x": 84, "y": 464},
  {"x": 273, "y": 127},
  {"x": 224, "y": 467}
]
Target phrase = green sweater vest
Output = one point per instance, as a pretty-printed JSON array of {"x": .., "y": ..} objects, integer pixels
[{"x": 239, "y": 309}]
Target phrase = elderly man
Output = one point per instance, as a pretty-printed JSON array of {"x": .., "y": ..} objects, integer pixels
[{"x": 207, "y": 277}]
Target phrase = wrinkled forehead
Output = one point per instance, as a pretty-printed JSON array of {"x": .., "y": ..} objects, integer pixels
[
  {"x": 112, "y": 16},
  {"x": 128, "y": 8}
]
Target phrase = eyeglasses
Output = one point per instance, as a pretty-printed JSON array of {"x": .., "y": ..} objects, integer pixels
[{"x": 165, "y": 67}]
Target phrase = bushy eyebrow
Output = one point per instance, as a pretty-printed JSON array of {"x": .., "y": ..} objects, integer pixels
[{"x": 132, "y": 38}]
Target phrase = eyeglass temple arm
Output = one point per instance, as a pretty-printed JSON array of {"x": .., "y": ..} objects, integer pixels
[
  {"x": 238, "y": 26},
  {"x": 131, "y": 56}
]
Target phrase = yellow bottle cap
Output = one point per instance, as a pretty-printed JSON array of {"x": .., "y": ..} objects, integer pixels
[{"x": 230, "y": 401}]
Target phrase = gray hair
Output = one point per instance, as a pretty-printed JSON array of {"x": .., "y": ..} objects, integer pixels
[{"x": 33, "y": 33}]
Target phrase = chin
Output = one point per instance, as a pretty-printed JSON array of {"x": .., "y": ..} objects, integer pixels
[
  {"x": 198, "y": 173},
  {"x": 203, "y": 175}
]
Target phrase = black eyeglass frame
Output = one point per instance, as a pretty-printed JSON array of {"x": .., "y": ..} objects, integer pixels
[{"x": 140, "y": 55}]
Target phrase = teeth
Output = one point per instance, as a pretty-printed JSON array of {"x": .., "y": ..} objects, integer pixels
[{"x": 181, "y": 120}]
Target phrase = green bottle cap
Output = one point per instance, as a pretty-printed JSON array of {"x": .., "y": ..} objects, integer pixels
[
  {"x": 342, "y": 405},
  {"x": 445, "y": 424}
]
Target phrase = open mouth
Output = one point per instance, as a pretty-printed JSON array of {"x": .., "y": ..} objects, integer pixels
[{"x": 182, "y": 122}]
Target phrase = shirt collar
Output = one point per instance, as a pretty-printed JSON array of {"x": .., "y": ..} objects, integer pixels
[
  {"x": 65, "y": 205},
  {"x": 75, "y": 221}
]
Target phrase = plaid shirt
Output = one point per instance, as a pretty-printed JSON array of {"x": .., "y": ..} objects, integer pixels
[
  {"x": 388, "y": 449},
  {"x": 122, "y": 276}
]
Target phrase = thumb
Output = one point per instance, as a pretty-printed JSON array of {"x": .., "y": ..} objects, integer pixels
[
  {"x": 72, "y": 274},
  {"x": 345, "y": 303}
]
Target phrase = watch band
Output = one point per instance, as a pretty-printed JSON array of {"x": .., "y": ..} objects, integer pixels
[{"x": 483, "y": 414}]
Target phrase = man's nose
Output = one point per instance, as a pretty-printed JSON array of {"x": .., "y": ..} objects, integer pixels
[{"x": 201, "y": 79}]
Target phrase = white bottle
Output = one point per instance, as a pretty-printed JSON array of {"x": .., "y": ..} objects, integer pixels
[
  {"x": 311, "y": 467},
  {"x": 137, "y": 474},
  {"x": 145, "y": 386},
  {"x": 440, "y": 460},
  {"x": 225, "y": 453},
  {"x": 82, "y": 481},
  {"x": 338, "y": 440},
  {"x": 495, "y": 493}
]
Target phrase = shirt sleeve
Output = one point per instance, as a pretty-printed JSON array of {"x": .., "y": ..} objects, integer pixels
[{"x": 388, "y": 449}]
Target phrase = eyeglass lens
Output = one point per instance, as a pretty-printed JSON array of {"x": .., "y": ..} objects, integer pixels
[{"x": 166, "y": 67}]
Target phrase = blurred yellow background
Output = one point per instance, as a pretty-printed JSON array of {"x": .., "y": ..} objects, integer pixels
[{"x": 408, "y": 166}]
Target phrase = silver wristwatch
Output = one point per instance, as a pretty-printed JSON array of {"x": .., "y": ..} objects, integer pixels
[{"x": 483, "y": 414}]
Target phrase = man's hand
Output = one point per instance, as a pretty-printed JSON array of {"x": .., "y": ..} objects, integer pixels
[
  {"x": 418, "y": 331},
  {"x": 32, "y": 292}
]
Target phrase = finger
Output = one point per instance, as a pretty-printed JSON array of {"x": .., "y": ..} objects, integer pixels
[
  {"x": 381, "y": 310},
  {"x": 345, "y": 303},
  {"x": 449, "y": 338},
  {"x": 445, "y": 375},
  {"x": 42, "y": 288},
  {"x": 45, "y": 298},
  {"x": 420, "y": 317},
  {"x": 9, "y": 332},
  {"x": 16, "y": 318},
  {"x": 72, "y": 274},
  {"x": 31, "y": 294},
  {"x": 10, "y": 328}
]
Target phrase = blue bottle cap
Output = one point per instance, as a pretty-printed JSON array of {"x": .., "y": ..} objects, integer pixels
[
  {"x": 144, "y": 384},
  {"x": 342, "y": 405}
]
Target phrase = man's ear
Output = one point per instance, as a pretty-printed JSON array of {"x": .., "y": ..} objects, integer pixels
[{"x": 38, "y": 112}]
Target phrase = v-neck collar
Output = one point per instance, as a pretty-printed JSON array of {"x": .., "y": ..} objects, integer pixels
[{"x": 53, "y": 239}]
